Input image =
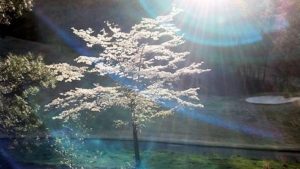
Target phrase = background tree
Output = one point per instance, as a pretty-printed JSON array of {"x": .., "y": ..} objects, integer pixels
[
  {"x": 146, "y": 63},
  {"x": 286, "y": 49},
  {"x": 10, "y": 9},
  {"x": 264, "y": 17},
  {"x": 20, "y": 78}
]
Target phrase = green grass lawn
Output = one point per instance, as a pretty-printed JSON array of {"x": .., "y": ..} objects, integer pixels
[
  {"x": 161, "y": 160},
  {"x": 182, "y": 161}
]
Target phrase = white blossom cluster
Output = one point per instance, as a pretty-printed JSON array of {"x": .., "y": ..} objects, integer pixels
[
  {"x": 147, "y": 56},
  {"x": 66, "y": 72}
]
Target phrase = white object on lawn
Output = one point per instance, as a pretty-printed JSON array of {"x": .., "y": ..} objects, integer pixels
[{"x": 272, "y": 100}]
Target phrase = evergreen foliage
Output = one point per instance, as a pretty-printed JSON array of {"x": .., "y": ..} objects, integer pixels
[{"x": 20, "y": 78}]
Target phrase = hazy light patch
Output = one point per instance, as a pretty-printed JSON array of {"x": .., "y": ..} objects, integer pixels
[
  {"x": 220, "y": 122},
  {"x": 220, "y": 22}
]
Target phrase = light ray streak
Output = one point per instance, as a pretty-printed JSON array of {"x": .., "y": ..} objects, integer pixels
[
  {"x": 74, "y": 43},
  {"x": 7, "y": 157}
]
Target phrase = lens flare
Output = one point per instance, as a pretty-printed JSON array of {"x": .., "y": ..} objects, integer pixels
[{"x": 221, "y": 22}]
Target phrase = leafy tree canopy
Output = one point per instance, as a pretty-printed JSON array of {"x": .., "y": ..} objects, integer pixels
[
  {"x": 10, "y": 9},
  {"x": 20, "y": 78}
]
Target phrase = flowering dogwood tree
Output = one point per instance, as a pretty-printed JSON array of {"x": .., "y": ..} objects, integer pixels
[{"x": 147, "y": 57}]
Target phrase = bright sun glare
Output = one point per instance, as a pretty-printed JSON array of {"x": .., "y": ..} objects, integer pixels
[
  {"x": 209, "y": 5},
  {"x": 220, "y": 22}
]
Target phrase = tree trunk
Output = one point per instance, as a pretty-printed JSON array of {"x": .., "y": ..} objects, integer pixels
[
  {"x": 136, "y": 146},
  {"x": 135, "y": 132}
]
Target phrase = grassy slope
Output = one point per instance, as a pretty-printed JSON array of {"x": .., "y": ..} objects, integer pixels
[{"x": 164, "y": 160}]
